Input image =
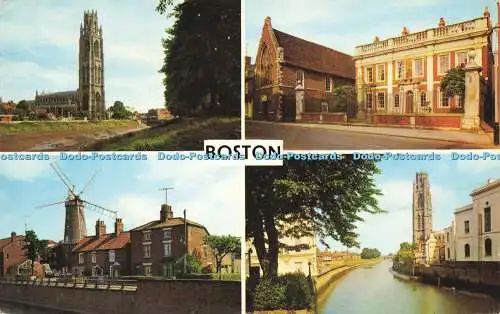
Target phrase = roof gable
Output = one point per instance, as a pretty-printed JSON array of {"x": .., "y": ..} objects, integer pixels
[
  {"x": 312, "y": 56},
  {"x": 105, "y": 242}
]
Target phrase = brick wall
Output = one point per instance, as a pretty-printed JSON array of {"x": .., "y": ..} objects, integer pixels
[
  {"x": 12, "y": 254},
  {"x": 174, "y": 296}
]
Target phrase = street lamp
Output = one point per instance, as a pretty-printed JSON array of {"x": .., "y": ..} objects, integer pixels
[{"x": 250, "y": 251}]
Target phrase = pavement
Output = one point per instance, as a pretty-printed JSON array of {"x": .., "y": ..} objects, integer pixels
[{"x": 331, "y": 136}]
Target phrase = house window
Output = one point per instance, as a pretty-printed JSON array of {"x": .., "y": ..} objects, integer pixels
[
  {"x": 300, "y": 77},
  {"x": 447, "y": 237},
  {"x": 467, "y": 250},
  {"x": 444, "y": 63},
  {"x": 147, "y": 235},
  {"x": 396, "y": 100},
  {"x": 324, "y": 106},
  {"x": 443, "y": 99},
  {"x": 381, "y": 72},
  {"x": 369, "y": 99},
  {"x": 328, "y": 84},
  {"x": 81, "y": 258},
  {"x": 147, "y": 251},
  {"x": 147, "y": 270},
  {"x": 448, "y": 253},
  {"x": 381, "y": 100},
  {"x": 369, "y": 75},
  {"x": 94, "y": 258},
  {"x": 466, "y": 224},
  {"x": 487, "y": 247},
  {"x": 423, "y": 99},
  {"x": 400, "y": 73},
  {"x": 460, "y": 101},
  {"x": 419, "y": 67},
  {"x": 461, "y": 59},
  {"x": 167, "y": 249},
  {"x": 167, "y": 234},
  {"x": 487, "y": 219}
]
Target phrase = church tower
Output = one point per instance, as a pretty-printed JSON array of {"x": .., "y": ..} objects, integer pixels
[
  {"x": 422, "y": 217},
  {"x": 91, "y": 68}
]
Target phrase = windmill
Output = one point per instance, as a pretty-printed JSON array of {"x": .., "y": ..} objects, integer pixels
[{"x": 74, "y": 226}]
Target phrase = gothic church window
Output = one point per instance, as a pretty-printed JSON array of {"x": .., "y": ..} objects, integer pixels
[{"x": 266, "y": 68}]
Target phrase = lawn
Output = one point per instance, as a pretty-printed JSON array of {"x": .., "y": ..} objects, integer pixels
[
  {"x": 60, "y": 126},
  {"x": 182, "y": 134}
]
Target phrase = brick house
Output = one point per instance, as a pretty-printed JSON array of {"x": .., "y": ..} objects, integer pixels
[
  {"x": 103, "y": 253},
  {"x": 284, "y": 62},
  {"x": 11, "y": 253},
  {"x": 158, "y": 245}
]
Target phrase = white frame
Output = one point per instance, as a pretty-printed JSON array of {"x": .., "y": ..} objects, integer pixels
[
  {"x": 81, "y": 258},
  {"x": 93, "y": 257},
  {"x": 303, "y": 75},
  {"x": 146, "y": 235},
  {"x": 440, "y": 71},
  {"x": 456, "y": 57},
  {"x": 169, "y": 243},
  {"x": 415, "y": 67},
  {"x": 403, "y": 74},
  {"x": 383, "y": 69},
  {"x": 366, "y": 71},
  {"x": 148, "y": 250},
  {"x": 378, "y": 102}
]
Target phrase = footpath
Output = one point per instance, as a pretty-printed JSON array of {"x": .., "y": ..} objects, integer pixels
[{"x": 481, "y": 139}]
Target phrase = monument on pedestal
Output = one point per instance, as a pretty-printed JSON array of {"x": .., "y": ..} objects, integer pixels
[{"x": 471, "y": 119}]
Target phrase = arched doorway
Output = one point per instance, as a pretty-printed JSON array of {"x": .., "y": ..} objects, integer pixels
[{"x": 409, "y": 102}]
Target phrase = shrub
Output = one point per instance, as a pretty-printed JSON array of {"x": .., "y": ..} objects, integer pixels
[
  {"x": 291, "y": 292},
  {"x": 299, "y": 291},
  {"x": 269, "y": 295}
]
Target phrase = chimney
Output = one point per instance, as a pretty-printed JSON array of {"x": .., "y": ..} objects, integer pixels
[
  {"x": 100, "y": 228},
  {"x": 166, "y": 213},
  {"x": 405, "y": 31},
  {"x": 118, "y": 226},
  {"x": 490, "y": 180},
  {"x": 13, "y": 236},
  {"x": 442, "y": 23}
]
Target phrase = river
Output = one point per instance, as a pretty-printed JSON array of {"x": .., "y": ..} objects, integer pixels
[{"x": 376, "y": 291}]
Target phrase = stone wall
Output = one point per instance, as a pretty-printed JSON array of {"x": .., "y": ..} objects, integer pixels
[{"x": 172, "y": 296}]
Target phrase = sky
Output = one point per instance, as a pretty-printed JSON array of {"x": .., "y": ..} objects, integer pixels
[
  {"x": 39, "y": 48},
  {"x": 451, "y": 183},
  {"x": 345, "y": 24},
  {"x": 211, "y": 193}
]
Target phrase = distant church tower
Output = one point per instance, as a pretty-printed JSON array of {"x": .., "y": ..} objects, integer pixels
[
  {"x": 91, "y": 68},
  {"x": 422, "y": 217}
]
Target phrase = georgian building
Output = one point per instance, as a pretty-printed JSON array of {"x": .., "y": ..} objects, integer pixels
[
  {"x": 398, "y": 79},
  {"x": 156, "y": 247},
  {"x": 285, "y": 62},
  {"x": 103, "y": 254},
  {"x": 475, "y": 232}
]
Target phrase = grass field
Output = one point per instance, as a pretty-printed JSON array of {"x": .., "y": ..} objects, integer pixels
[
  {"x": 183, "y": 134},
  {"x": 58, "y": 126}
]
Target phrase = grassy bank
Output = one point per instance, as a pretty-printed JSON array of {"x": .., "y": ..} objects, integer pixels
[
  {"x": 60, "y": 126},
  {"x": 183, "y": 134}
]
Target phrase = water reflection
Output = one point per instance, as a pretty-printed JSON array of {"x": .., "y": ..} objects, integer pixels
[{"x": 376, "y": 291}]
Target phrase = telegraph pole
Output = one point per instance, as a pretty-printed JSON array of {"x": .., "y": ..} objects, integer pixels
[{"x": 166, "y": 193}]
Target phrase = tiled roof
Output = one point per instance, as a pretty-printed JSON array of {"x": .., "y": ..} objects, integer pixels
[
  {"x": 105, "y": 242},
  {"x": 65, "y": 93},
  {"x": 4, "y": 242},
  {"x": 308, "y": 55},
  {"x": 176, "y": 221}
]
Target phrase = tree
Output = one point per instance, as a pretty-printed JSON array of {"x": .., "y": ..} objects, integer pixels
[
  {"x": 303, "y": 198},
  {"x": 345, "y": 97},
  {"x": 368, "y": 253},
  {"x": 406, "y": 253},
  {"x": 193, "y": 264},
  {"x": 222, "y": 246},
  {"x": 22, "y": 110},
  {"x": 33, "y": 247},
  {"x": 453, "y": 84},
  {"x": 202, "y": 64},
  {"x": 119, "y": 111}
]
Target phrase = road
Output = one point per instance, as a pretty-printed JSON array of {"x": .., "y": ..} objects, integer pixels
[
  {"x": 306, "y": 138},
  {"x": 376, "y": 291}
]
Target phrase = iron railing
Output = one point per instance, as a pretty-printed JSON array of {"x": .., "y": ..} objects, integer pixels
[{"x": 73, "y": 282}]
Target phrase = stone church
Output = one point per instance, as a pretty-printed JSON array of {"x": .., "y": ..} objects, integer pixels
[
  {"x": 429, "y": 244},
  {"x": 88, "y": 100}
]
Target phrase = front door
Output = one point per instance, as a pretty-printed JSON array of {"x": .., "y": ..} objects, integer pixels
[{"x": 409, "y": 102}]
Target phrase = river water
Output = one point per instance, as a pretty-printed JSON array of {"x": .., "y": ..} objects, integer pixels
[{"x": 376, "y": 291}]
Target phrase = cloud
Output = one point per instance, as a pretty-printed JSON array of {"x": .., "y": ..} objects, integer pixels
[
  {"x": 19, "y": 170},
  {"x": 479, "y": 166}
]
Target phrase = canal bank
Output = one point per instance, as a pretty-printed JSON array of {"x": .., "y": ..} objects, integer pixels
[{"x": 376, "y": 291}]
